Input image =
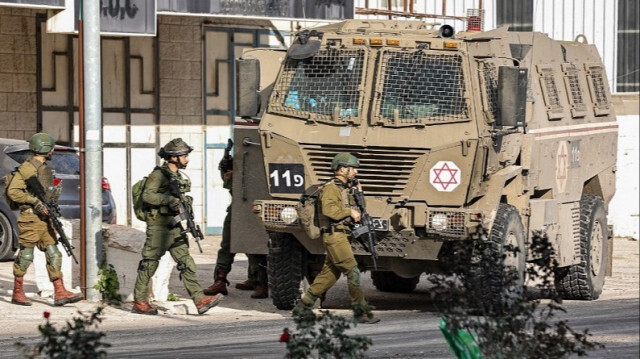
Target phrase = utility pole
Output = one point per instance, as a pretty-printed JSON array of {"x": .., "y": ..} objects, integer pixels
[{"x": 93, "y": 142}]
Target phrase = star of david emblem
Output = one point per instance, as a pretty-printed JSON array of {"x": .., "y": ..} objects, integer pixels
[{"x": 445, "y": 176}]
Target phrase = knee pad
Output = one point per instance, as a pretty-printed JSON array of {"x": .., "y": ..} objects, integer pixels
[
  {"x": 25, "y": 258},
  {"x": 353, "y": 276},
  {"x": 54, "y": 256}
]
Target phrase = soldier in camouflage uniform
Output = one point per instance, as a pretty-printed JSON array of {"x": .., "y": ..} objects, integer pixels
[
  {"x": 257, "y": 271},
  {"x": 338, "y": 210},
  {"x": 36, "y": 229},
  {"x": 162, "y": 236}
]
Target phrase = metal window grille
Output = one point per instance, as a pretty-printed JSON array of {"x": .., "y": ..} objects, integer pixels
[
  {"x": 490, "y": 78},
  {"x": 325, "y": 87},
  {"x": 248, "y": 7},
  {"x": 420, "y": 88},
  {"x": 550, "y": 91},
  {"x": 572, "y": 83}
]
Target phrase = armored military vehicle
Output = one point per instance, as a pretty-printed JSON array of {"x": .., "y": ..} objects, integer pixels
[{"x": 511, "y": 131}]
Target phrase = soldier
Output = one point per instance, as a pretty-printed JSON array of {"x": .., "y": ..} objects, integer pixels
[
  {"x": 162, "y": 236},
  {"x": 257, "y": 271},
  {"x": 35, "y": 227},
  {"x": 337, "y": 208}
]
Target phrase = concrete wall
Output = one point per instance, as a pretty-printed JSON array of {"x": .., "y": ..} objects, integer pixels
[
  {"x": 180, "y": 66},
  {"x": 624, "y": 207},
  {"x": 17, "y": 73}
]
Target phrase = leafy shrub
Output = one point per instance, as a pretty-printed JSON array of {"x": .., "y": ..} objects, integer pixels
[
  {"x": 519, "y": 324},
  {"x": 109, "y": 285},
  {"x": 323, "y": 334},
  {"x": 74, "y": 341}
]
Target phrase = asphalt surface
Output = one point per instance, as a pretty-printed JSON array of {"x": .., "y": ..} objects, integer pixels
[{"x": 241, "y": 327}]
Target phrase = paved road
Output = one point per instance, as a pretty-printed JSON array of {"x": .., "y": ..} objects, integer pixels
[
  {"x": 245, "y": 328},
  {"x": 403, "y": 334}
]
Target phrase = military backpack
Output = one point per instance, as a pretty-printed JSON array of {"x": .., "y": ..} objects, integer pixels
[
  {"x": 139, "y": 207},
  {"x": 309, "y": 212},
  {"x": 8, "y": 178}
]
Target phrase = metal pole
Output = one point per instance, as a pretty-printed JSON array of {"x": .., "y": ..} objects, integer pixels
[
  {"x": 83, "y": 186},
  {"x": 93, "y": 142}
]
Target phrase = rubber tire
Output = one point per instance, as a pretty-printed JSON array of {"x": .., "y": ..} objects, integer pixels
[
  {"x": 507, "y": 228},
  {"x": 286, "y": 260},
  {"x": 584, "y": 281},
  {"x": 6, "y": 237},
  {"x": 391, "y": 282}
]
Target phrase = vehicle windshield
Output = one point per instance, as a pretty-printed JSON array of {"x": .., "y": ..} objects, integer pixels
[
  {"x": 324, "y": 87},
  {"x": 420, "y": 88},
  {"x": 62, "y": 162}
]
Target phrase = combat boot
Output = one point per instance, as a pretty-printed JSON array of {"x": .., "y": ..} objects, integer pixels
[
  {"x": 261, "y": 291},
  {"x": 143, "y": 307},
  {"x": 246, "y": 285},
  {"x": 219, "y": 286},
  {"x": 18, "y": 296},
  {"x": 61, "y": 296},
  {"x": 362, "y": 314},
  {"x": 208, "y": 302}
]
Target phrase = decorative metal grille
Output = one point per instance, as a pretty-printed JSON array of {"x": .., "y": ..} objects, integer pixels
[
  {"x": 575, "y": 93},
  {"x": 325, "y": 87},
  {"x": 421, "y": 88},
  {"x": 550, "y": 91},
  {"x": 375, "y": 165}
]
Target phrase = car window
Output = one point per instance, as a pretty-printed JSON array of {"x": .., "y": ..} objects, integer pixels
[{"x": 63, "y": 162}]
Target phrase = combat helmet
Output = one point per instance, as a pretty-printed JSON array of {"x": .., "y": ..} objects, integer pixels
[
  {"x": 344, "y": 159},
  {"x": 175, "y": 147},
  {"x": 41, "y": 143}
]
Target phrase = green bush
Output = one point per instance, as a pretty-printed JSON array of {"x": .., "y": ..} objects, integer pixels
[
  {"x": 74, "y": 341},
  {"x": 519, "y": 324},
  {"x": 323, "y": 334}
]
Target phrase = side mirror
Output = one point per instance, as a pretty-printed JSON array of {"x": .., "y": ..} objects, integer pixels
[
  {"x": 247, "y": 87},
  {"x": 512, "y": 96}
]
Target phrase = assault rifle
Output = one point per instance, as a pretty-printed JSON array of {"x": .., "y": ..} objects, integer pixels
[
  {"x": 364, "y": 231},
  {"x": 226, "y": 163},
  {"x": 36, "y": 188},
  {"x": 185, "y": 215}
]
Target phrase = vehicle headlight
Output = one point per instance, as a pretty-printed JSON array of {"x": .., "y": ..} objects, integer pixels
[
  {"x": 289, "y": 215},
  {"x": 439, "y": 221}
]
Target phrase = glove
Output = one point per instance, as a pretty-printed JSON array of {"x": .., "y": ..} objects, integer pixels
[
  {"x": 40, "y": 209},
  {"x": 175, "y": 204}
]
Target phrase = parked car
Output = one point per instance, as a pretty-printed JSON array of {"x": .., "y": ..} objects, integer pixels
[{"x": 66, "y": 164}]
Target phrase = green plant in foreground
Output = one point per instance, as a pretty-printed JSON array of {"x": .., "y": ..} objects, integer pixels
[
  {"x": 108, "y": 285},
  {"x": 74, "y": 341},
  {"x": 172, "y": 298},
  {"x": 324, "y": 334},
  {"x": 517, "y": 324}
]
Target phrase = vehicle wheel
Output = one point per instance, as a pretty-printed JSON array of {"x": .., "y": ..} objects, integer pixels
[
  {"x": 6, "y": 239},
  {"x": 285, "y": 266},
  {"x": 391, "y": 282},
  {"x": 585, "y": 280},
  {"x": 499, "y": 264}
]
